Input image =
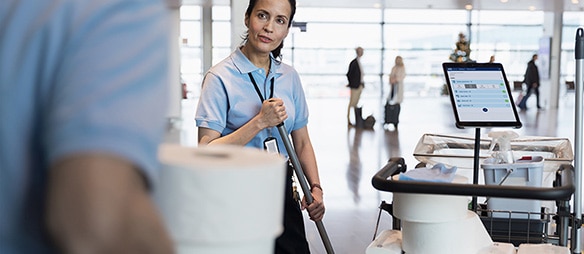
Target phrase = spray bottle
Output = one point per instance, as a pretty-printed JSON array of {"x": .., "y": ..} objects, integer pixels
[{"x": 503, "y": 139}]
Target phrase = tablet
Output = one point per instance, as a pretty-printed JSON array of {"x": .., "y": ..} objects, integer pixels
[{"x": 480, "y": 95}]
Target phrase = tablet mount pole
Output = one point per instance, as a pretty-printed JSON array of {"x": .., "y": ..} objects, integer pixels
[
  {"x": 475, "y": 172},
  {"x": 305, "y": 188}
]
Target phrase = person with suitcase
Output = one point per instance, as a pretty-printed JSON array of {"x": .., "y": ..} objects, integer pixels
[
  {"x": 356, "y": 84},
  {"x": 396, "y": 94}
]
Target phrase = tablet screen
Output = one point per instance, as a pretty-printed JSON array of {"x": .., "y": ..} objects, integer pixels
[{"x": 480, "y": 95}]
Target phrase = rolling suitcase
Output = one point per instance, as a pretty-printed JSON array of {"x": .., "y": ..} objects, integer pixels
[{"x": 392, "y": 113}]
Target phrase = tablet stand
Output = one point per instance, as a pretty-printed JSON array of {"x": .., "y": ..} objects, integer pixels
[{"x": 475, "y": 172}]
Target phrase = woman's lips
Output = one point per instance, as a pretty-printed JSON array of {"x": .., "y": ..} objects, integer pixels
[{"x": 265, "y": 39}]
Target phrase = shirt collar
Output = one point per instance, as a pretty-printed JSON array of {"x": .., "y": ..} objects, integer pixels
[{"x": 245, "y": 66}]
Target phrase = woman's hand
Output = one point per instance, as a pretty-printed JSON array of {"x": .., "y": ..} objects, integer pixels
[
  {"x": 273, "y": 112},
  {"x": 316, "y": 208}
]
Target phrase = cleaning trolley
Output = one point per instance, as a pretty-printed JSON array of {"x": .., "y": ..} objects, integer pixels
[{"x": 436, "y": 206}]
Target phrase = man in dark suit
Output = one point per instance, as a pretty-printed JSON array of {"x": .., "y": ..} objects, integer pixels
[
  {"x": 531, "y": 79},
  {"x": 355, "y": 78}
]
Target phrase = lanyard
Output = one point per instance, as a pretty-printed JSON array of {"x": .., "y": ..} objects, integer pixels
[
  {"x": 255, "y": 85},
  {"x": 258, "y": 89}
]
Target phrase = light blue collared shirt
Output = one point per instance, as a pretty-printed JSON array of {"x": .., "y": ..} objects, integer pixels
[
  {"x": 229, "y": 100},
  {"x": 75, "y": 76}
]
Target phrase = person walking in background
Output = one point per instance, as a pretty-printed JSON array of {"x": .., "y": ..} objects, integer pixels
[
  {"x": 396, "y": 81},
  {"x": 269, "y": 92},
  {"x": 531, "y": 79},
  {"x": 82, "y": 106},
  {"x": 396, "y": 92},
  {"x": 356, "y": 84}
]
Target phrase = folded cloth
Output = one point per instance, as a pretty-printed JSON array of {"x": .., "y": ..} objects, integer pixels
[{"x": 438, "y": 173}]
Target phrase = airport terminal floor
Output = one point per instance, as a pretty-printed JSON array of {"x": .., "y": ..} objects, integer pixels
[{"x": 348, "y": 157}]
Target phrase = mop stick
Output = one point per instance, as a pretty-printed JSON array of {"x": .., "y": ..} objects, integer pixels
[
  {"x": 303, "y": 184},
  {"x": 578, "y": 134}
]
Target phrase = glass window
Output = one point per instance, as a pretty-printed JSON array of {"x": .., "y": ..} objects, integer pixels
[
  {"x": 221, "y": 34},
  {"x": 336, "y": 35},
  {"x": 507, "y": 17},
  {"x": 221, "y": 13},
  {"x": 190, "y": 12},
  {"x": 332, "y": 15},
  {"x": 425, "y": 38},
  {"x": 190, "y": 33},
  {"x": 422, "y": 16},
  {"x": 190, "y": 47}
]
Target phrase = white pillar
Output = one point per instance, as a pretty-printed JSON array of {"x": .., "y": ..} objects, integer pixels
[
  {"x": 553, "y": 28},
  {"x": 207, "y": 36},
  {"x": 174, "y": 84},
  {"x": 238, "y": 28}
]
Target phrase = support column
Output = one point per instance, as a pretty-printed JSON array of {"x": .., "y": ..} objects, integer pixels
[
  {"x": 238, "y": 8},
  {"x": 553, "y": 28},
  {"x": 174, "y": 84},
  {"x": 207, "y": 36}
]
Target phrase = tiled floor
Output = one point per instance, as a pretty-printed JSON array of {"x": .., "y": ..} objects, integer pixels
[{"x": 349, "y": 157}]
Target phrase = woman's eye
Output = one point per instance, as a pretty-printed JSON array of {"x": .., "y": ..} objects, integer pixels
[
  {"x": 281, "y": 21},
  {"x": 262, "y": 16}
]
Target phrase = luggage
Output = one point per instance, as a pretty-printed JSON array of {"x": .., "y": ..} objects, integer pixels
[
  {"x": 367, "y": 123},
  {"x": 392, "y": 113}
]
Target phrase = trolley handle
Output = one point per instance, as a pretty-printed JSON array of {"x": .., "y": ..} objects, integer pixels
[{"x": 382, "y": 180}]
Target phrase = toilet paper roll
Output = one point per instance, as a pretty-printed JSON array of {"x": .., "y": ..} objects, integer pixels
[
  {"x": 499, "y": 248},
  {"x": 455, "y": 237},
  {"x": 529, "y": 248},
  {"x": 220, "y": 195},
  {"x": 263, "y": 246},
  {"x": 431, "y": 208},
  {"x": 387, "y": 242}
]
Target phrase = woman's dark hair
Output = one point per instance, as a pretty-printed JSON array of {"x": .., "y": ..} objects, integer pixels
[{"x": 276, "y": 52}]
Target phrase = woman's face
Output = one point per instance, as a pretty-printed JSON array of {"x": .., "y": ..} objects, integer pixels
[{"x": 268, "y": 25}]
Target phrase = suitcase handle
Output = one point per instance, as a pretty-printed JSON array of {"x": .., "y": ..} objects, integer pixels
[{"x": 563, "y": 190}]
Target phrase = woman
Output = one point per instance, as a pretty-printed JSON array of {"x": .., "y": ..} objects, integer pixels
[
  {"x": 396, "y": 81},
  {"x": 247, "y": 94}
]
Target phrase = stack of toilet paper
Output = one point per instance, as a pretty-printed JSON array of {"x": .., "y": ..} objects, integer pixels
[
  {"x": 439, "y": 223},
  {"x": 442, "y": 224},
  {"x": 221, "y": 199}
]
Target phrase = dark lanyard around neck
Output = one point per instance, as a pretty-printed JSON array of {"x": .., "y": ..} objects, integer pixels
[{"x": 258, "y": 89}]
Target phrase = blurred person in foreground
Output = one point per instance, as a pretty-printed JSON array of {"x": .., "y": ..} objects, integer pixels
[{"x": 82, "y": 103}]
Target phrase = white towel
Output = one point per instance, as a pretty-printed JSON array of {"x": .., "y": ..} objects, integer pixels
[{"x": 438, "y": 173}]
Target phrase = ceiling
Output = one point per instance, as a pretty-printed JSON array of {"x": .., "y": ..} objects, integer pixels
[{"x": 545, "y": 5}]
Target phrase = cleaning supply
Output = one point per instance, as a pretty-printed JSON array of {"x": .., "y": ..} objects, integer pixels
[
  {"x": 502, "y": 139},
  {"x": 438, "y": 173}
]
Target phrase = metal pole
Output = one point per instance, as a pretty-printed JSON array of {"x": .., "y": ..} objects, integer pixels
[
  {"x": 305, "y": 188},
  {"x": 579, "y": 55},
  {"x": 475, "y": 171}
]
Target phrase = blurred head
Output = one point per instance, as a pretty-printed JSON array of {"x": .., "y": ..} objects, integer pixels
[
  {"x": 534, "y": 57},
  {"x": 268, "y": 23},
  {"x": 461, "y": 36},
  {"x": 359, "y": 51},
  {"x": 399, "y": 60}
]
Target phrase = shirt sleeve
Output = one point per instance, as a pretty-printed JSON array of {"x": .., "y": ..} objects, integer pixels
[
  {"x": 110, "y": 92},
  {"x": 213, "y": 104},
  {"x": 300, "y": 104}
]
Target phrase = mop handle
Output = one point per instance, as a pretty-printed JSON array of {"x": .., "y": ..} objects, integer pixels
[
  {"x": 303, "y": 184},
  {"x": 578, "y": 135}
]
